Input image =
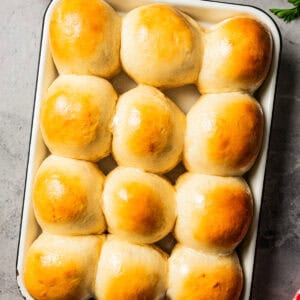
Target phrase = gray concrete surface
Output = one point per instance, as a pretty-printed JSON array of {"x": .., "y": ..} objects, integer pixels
[{"x": 277, "y": 267}]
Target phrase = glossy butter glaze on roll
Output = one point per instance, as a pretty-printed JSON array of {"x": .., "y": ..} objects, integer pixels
[
  {"x": 224, "y": 134},
  {"x": 75, "y": 117},
  {"x": 213, "y": 213},
  {"x": 131, "y": 272},
  {"x": 237, "y": 56},
  {"x": 62, "y": 267},
  {"x": 195, "y": 275},
  {"x": 160, "y": 46},
  {"x": 85, "y": 38},
  {"x": 67, "y": 195},
  {"x": 148, "y": 130},
  {"x": 138, "y": 206}
]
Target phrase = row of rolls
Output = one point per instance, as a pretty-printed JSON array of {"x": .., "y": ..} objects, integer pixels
[
  {"x": 82, "y": 119},
  {"x": 212, "y": 212},
  {"x": 101, "y": 234},
  {"x": 107, "y": 267},
  {"x": 159, "y": 45}
]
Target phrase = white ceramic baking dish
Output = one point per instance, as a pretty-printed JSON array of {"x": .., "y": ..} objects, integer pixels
[{"x": 208, "y": 12}]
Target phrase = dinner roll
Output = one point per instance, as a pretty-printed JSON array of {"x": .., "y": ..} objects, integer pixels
[
  {"x": 75, "y": 117},
  {"x": 224, "y": 134},
  {"x": 197, "y": 275},
  {"x": 62, "y": 267},
  {"x": 131, "y": 272},
  {"x": 67, "y": 196},
  {"x": 138, "y": 206},
  {"x": 160, "y": 46},
  {"x": 213, "y": 213},
  {"x": 237, "y": 56},
  {"x": 85, "y": 38},
  {"x": 148, "y": 130}
]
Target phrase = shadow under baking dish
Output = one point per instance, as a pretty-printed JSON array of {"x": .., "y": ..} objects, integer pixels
[{"x": 209, "y": 12}]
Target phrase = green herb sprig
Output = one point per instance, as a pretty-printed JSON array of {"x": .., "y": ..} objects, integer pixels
[{"x": 288, "y": 14}]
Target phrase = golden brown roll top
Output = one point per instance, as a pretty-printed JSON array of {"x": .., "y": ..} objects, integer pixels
[
  {"x": 224, "y": 134},
  {"x": 67, "y": 195},
  {"x": 237, "y": 56},
  {"x": 62, "y": 267},
  {"x": 131, "y": 272},
  {"x": 213, "y": 213},
  {"x": 85, "y": 38},
  {"x": 195, "y": 275},
  {"x": 138, "y": 206},
  {"x": 160, "y": 46},
  {"x": 76, "y": 115},
  {"x": 148, "y": 130}
]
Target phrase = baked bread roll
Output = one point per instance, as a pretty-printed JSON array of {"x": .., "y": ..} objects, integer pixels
[
  {"x": 213, "y": 213},
  {"x": 62, "y": 267},
  {"x": 67, "y": 196},
  {"x": 76, "y": 115},
  {"x": 131, "y": 272},
  {"x": 197, "y": 275},
  {"x": 160, "y": 46},
  {"x": 236, "y": 57},
  {"x": 148, "y": 130},
  {"x": 85, "y": 38},
  {"x": 224, "y": 134},
  {"x": 138, "y": 206}
]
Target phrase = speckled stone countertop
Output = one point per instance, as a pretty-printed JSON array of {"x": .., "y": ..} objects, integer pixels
[{"x": 277, "y": 267}]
